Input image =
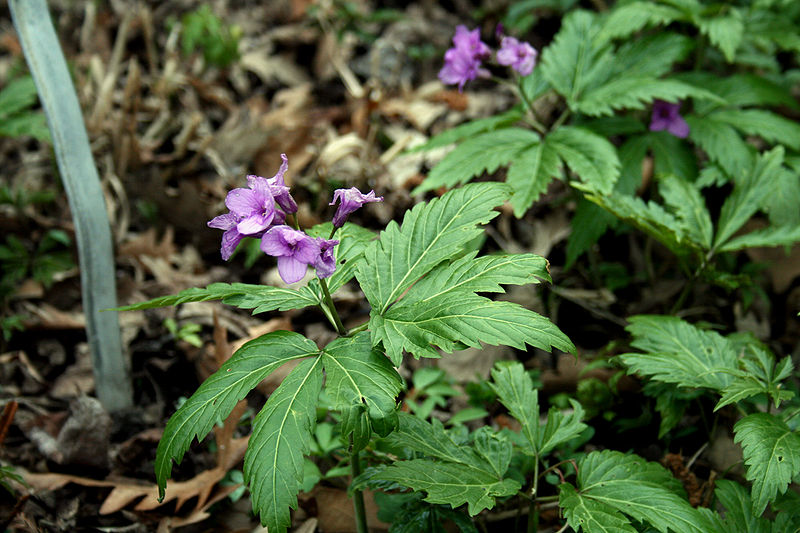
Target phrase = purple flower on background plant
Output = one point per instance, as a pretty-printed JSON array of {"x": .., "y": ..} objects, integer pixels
[
  {"x": 666, "y": 117},
  {"x": 462, "y": 62},
  {"x": 231, "y": 238},
  {"x": 520, "y": 56},
  {"x": 350, "y": 200},
  {"x": 279, "y": 189},
  {"x": 294, "y": 249},
  {"x": 326, "y": 261}
]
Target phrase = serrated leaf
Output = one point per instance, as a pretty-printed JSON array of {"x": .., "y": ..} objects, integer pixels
[
  {"x": 771, "y": 453},
  {"x": 218, "y": 394},
  {"x": 530, "y": 173},
  {"x": 741, "y": 90},
  {"x": 651, "y": 56},
  {"x": 748, "y": 194},
  {"x": 430, "y": 234},
  {"x": 471, "y": 274},
  {"x": 649, "y": 217},
  {"x": 671, "y": 155},
  {"x": 514, "y": 389},
  {"x": 611, "y": 484},
  {"x": 759, "y": 375},
  {"x": 721, "y": 142},
  {"x": 634, "y": 93},
  {"x": 739, "y": 508},
  {"x": 687, "y": 203},
  {"x": 357, "y": 373},
  {"x": 451, "y": 483},
  {"x": 260, "y": 298},
  {"x": 593, "y": 158},
  {"x": 678, "y": 352},
  {"x": 273, "y": 463},
  {"x": 470, "y": 129},
  {"x": 632, "y": 17},
  {"x": 772, "y": 236},
  {"x": 576, "y": 59},
  {"x": 767, "y": 125},
  {"x": 781, "y": 205},
  {"x": 460, "y": 475},
  {"x": 484, "y": 153},
  {"x": 725, "y": 32},
  {"x": 456, "y": 320}
]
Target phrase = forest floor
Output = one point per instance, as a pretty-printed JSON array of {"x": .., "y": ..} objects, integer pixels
[{"x": 343, "y": 89}]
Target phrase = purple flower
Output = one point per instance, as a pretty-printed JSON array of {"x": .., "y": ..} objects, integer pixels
[
  {"x": 666, "y": 117},
  {"x": 350, "y": 200},
  {"x": 279, "y": 189},
  {"x": 462, "y": 62},
  {"x": 520, "y": 56},
  {"x": 231, "y": 237},
  {"x": 254, "y": 208},
  {"x": 326, "y": 261},
  {"x": 294, "y": 249}
]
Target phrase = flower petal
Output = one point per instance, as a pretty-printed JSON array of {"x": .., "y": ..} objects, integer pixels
[{"x": 290, "y": 269}]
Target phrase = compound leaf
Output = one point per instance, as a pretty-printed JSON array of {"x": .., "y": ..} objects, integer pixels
[
  {"x": 515, "y": 390},
  {"x": 767, "y": 125},
  {"x": 273, "y": 463},
  {"x": 530, "y": 173},
  {"x": 721, "y": 142},
  {"x": 612, "y": 484},
  {"x": 430, "y": 233},
  {"x": 678, "y": 352},
  {"x": 634, "y": 93},
  {"x": 688, "y": 204},
  {"x": 771, "y": 453},
  {"x": 218, "y": 394},
  {"x": 592, "y": 157},
  {"x": 483, "y": 153},
  {"x": 260, "y": 298}
]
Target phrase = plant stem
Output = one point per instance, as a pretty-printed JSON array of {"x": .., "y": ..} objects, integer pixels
[
  {"x": 358, "y": 495},
  {"x": 533, "y": 509},
  {"x": 329, "y": 302}
]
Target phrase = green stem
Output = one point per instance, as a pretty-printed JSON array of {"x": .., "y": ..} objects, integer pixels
[
  {"x": 329, "y": 302},
  {"x": 533, "y": 508},
  {"x": 560, "y": 120},
  {"x": 358, "y": 495}
]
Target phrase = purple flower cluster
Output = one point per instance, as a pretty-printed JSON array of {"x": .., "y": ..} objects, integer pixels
[
  {"x": 462, "y": 63},
  {"x": 260, "y": 211},
  {"x": 666, "y": 116}
]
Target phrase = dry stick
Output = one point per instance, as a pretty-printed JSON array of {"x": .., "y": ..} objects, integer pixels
[{"x": 82, "y": 184}]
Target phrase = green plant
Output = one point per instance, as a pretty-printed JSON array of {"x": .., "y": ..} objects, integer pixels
[
  {"x": 202, "y": 29},
  {"x": 187, "y": 332},
  {"x": 16, "y": 116}
]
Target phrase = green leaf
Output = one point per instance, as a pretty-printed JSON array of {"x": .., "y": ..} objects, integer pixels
[
  {"x": 530, "y": 173},
  {"x": 781, "y": 205},
  {"x": 741, "y": 90},
  {"x": 593, "y": 158},
  {"x": 576, "y": 59},
  {"x": 651, "y": 56},
  {"x": 455, "y": 320},
  {"x": 260, "y": 298},
  {"x": 451, "y": 483},
  {"x": 430, "y": 234},
  {"x": 485, "y": 153},
  {"x": 687, "y": 203},
  {"x": 357, "y": 373},
  {"x": 771, "y": 453},
  {"x": 678, "y": 352},
  {"x": 767, "y": 125},
  {"x": 632, "y": 17},
  {"x": 725, "y": 32},
  {"x": 771, "y": 236},
  {"x": 748, "y": 194},
  {"x": 273, "y": 463},
  {"x": 759, "y": 376},
  {"x": 612, "y": 484},
  {"x": 589, "y": 223},
  {"x": 33, "y": 124},
  {"x": 514, "y": 388},
  {"x": 218, "y": 395},
  {"x": 460, "y": 474},
  {"x": 470, "y": 274},
  {"x": 628, "y": 92},
  {"x": 739, "y": 508},
  {"x": 649, "y": 217},
  {"x": 721, "y": 142},
  {"x": 671, "y": 155},
  {"x": 17, "y": 95},
  {"x": 471, "y": 129}
]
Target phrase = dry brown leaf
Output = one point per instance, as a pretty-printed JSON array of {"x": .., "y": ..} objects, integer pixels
[{"x": 148, "y": 244}]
